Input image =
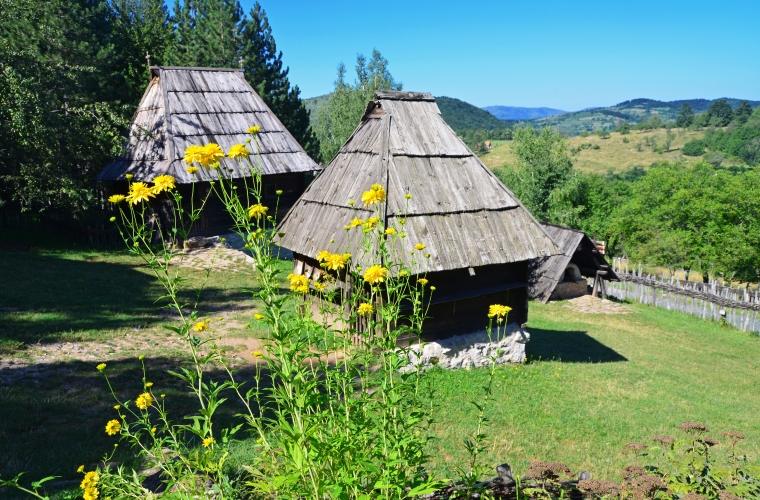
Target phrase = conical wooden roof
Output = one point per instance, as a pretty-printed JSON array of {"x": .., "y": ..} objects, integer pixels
[
  {"x": 458, "y": 208},
  {"x": 186, "y": 106}
]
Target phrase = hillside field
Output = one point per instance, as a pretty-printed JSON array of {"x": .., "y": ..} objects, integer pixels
[{"x": 613, "y": 154}]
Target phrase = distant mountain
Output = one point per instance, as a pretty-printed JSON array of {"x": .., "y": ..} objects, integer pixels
[
  {"x": 461, "y": 115},
  {"x": 313, "y": 104},
  {"x": 515, "y": 113},
  {"x": 633, "y": 111}
]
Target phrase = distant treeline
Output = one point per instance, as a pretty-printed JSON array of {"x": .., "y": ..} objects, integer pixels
[{"x": 680, "y": 215}]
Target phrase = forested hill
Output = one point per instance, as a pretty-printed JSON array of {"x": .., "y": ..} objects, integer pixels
[
  {"x": 461, "y": 115},
  {"x": 518, "y": 113},
  {"x": 458, "y": 114},
  {"x": 634, "y": 111}
]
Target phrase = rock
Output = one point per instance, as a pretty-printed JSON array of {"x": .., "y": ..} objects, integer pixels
[
  {"x": 201, "y": 242},
  {"x": 470, "y": 351},
  {"x": 505, "y": 474}
]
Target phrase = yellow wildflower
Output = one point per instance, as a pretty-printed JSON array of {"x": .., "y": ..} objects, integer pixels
[
  {"x": 163, "y": 183},
  {"x": 422, "y": 281},
  {"x": 112, "y": 219},
  {"x": 258, "y": 316},
  {"x": 336, "y": 261},
  {"x": 278, "y": 192},
  {"x": 129, "y": 176},
  {"x": 319, "y": 286},
  {"x": 254, "y": 130},
  {"x": 152, "y": 430},
  {"x": 390, "y": 230},
  {"x": 208, "y": 442},
  {"x": 257, "y": 354},
  {"x": 139, "y": 191},
  {"x": 420, "y": 246},
  {"x": 193, "y": 154},
  {"x": 432, "y": 289},
  {"x": 238, "y": 151},
  {"x": 192, "y": 170},
  {"x": 144, "y": 400},
  {"x": 375, "y": 274},
  {"x": 365, "y": 309},
  {"x": 257, "y": 210},
  {"x": 370, "y": 224},
  {"x": 141, "y": 357},
  {"x": 299, "y": 283},
  {"x": 149, "y": 384},
  {"x": 81, "y": 468},
  {"x": 499, "y": 311},
  {"x": 90, "y": 494},
  {"x": 90, "y": 480},
  {"x": 356, "y": 222},
  {"x": 323, "y": 255},
  {"x": 101, "y": 367},
  {"x": 376, "y": 194},
  {"x": 116, "y": 198},
  {"x": 408, "y": 196},
  {"x": 112, "y": 427},
  {"x": 211, "y": 154},
  {"x": 116, "y": 407},
  {"x": 200, "y": 326}
]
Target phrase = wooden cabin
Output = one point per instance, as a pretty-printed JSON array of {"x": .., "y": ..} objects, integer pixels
[
  {"x": 186, "y": 106},
  {"x": 480, "y": 238},
  {"x": 564, "y": 276}
]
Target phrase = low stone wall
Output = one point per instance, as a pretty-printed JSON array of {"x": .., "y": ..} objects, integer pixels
[{"x": 471, "y": 350}]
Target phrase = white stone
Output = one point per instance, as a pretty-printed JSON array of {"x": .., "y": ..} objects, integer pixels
[{"x": 470, "y": 350}]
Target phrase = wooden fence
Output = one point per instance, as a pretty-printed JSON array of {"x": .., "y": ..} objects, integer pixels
[{"x": 710, "y": 301}]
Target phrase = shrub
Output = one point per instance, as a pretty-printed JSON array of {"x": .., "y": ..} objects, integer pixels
[{"x": 694, "y": 147}]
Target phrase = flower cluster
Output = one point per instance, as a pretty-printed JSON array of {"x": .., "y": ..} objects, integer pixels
[
  {"x": 206, "y": 156},
  {"x": 144, "y": 401},
  {"x": 141, "y": 191},
  {"x": 90, "y": 485},
  {"x": 498, "y": 311},
  {"x": 333, "y": 261},
  {"x": 299, "y": 283},
  {"x": 238, "y": 151},
  {"x": 375, "y": 195},
  {"x": 375, "y": 274},
  {"x": 257, "y": 211},
  {"x": 365, "y": 309}
]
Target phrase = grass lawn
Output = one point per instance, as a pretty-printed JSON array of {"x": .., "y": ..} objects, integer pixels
[
  {"x": 594, "y": 383},
  {"x": 612, "y": 154}
]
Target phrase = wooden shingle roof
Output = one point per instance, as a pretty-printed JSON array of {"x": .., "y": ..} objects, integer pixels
[
  {"x": 186, "y": 106},
  {"x": 459, "y": 209}
]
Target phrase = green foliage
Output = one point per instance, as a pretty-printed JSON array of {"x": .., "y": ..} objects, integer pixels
[
  {"x": 603, "y": 134},
  {"x": 743, "y": 112},
  {"x": 624, "y": 128},
  {"x": 461, "y": 115},
  {"x": 685, "y": 117},
  {"x": 693, "y": 216},
  {"x": 344, "y": 108},
  {"x": 475, "y": 139},
  {"x": 140, "y": 27},
  {"x": 742, "y": 142},
  {"x": 60, "y": 102},
  {"x": 720, "y": 113},
  {"x": 695, "y": 147},
  {"x": 543, "y": 178},
  {"x": 653, "y": 123}
]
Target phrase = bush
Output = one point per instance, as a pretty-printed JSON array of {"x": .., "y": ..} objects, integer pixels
[
  {"x": 624, "y": 128},
  {"x": 695, "y": 147}
]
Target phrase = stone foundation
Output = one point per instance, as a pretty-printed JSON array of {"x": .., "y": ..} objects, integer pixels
[
  {"x": 471, "y": 350},
  {"x": 569, "y": 290}
]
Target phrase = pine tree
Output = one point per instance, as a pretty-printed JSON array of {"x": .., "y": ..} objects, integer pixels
[
  {"x": 685, "y": 116},
  {"x": 264, "y": 71},
  {"x": 743, "y": 112},
  {"x": 341, "y": 114},
  {"x": 216, "y": 33},
  {"x": 139, "y": 27}
]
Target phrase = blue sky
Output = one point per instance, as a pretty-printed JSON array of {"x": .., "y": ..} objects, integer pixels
[{"x": 560, "y": 54}]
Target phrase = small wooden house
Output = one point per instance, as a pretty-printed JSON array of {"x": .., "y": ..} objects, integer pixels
[
  {"x": 564, "y": 276},
  {"x": 187, "y": 106},
  {"x": 479, "y": 236}
]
